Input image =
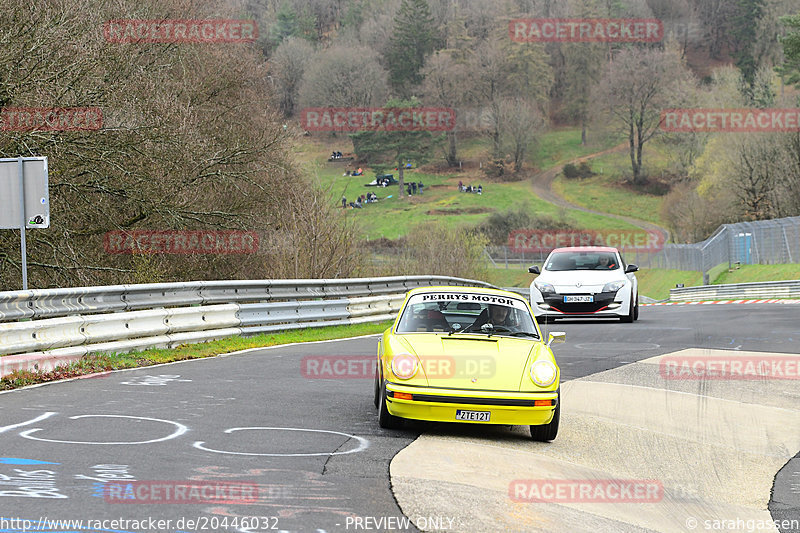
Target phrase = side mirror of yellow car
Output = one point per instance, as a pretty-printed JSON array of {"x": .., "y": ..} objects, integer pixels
[{"x": 557, "y": 337}]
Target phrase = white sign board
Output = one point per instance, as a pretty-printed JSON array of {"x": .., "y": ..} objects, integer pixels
[{"x": 37, "y": 196}]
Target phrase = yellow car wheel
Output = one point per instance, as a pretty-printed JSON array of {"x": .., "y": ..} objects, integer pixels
[
  {"x": 548, "y": 432},
  {"x": 377, "y": 386},
  {"x": 387, "y": 420}
]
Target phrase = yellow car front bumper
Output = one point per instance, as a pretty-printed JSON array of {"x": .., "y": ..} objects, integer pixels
[{"x": 441, "y": 405}]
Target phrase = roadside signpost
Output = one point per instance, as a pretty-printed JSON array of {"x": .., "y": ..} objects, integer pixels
[{"x": 24, "y": 199}]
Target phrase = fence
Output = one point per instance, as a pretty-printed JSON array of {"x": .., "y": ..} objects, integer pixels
[
  {"x": 43, "y": 328},
  {"x": 762, "y": 242}
]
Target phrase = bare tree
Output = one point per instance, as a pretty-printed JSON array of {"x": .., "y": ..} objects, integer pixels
[
  {"x": 505, "y": 72},
  {"x": 445, "y": 85},
  {"x": 583, "y": 64},
  {"x": 756, "y": 176},
  {"x": 680, "y": 20},
  {"x": 634, "y": 89},
  {"x": 189, "y": 141},
  {"x": 522, "y": 122},
  {"x": 429, "y": 249},
  {"x": 789, "y": 176},
  {"x": 288, "y": 64},
  {"x": 489, "y": 64},
  {"x": 344, "y": 76},
  {"x": 692, "y": 217},
  {"x": 376, "y": 29}
]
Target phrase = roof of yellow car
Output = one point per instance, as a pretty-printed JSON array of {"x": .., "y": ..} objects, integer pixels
[{"x": 451, "y": 288}]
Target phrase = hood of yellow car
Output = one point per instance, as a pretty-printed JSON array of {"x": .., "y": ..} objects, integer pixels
[{"x": 471, "y": 362}]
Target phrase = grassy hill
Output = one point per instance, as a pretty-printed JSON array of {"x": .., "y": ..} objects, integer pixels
[
  {"x": 441, "y": 202},
  {"x": 609, "y": 192}
]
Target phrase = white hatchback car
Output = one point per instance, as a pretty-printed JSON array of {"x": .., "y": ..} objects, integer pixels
[{"x": 585, "y": 281}]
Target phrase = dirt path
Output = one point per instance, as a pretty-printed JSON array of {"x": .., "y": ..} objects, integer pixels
[{"x": 542, "y": 184}]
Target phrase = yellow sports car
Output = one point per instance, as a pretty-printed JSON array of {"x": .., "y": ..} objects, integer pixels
[{"x": 465, "y": 354}]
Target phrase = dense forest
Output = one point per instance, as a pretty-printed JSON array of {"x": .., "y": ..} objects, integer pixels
[{"x": 201, "y": 137}]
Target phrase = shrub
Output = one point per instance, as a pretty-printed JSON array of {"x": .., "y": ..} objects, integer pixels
[
  {"x": 494, "y": 169},
  {"x": 439, "y": 250},
  {"x": 570, "y": 171},
  {"x": 583, "y": 170},
  {"x": 499, "y": 226}
]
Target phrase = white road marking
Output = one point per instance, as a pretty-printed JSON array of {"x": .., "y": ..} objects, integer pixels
[
  {"x": 363, "y": 443},
  {"x": 181, "y": 429},
  {"x": 3, "y": 429}
]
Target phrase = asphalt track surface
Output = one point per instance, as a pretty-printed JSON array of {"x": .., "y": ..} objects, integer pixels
[{"x": 312, "y": 447}]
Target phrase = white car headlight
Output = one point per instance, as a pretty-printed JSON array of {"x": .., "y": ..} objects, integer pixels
[
  {"x": 543, "y": 373},
  {"x": 404, "y": 366},
  {"x": 614, "y": 286},
  {"x": 544, "y": 288}
]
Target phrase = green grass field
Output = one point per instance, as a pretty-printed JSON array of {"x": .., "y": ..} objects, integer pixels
[
  {"x": 605, "y": 192},
  {"x": 441, "y": 202},
  {"x": 748, "y": 273},
  {"x": 557, "y": 147},
  {"x": 656, "y": 282}
]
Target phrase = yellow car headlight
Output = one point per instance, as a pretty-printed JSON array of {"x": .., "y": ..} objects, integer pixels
[
  {"x": 404, "y": 366},
  {"x": 543, "y": 373}
]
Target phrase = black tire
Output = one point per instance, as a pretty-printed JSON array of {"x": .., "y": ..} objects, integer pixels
[
  {"x": 636, "y": 309},
  {"x": 386, "y": 420},
  {"x": 377, "y": 385},
  {"x": 548, "y": 432},
  {"x": 630, "y": 317}
]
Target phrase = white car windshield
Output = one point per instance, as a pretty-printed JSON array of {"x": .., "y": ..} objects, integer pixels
[
  {"x": 467, "y": 313},
  {"x": 561, "y": 261}
]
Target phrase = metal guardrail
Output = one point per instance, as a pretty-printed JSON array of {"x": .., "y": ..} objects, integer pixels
[
  {"x": 62, "y": 325},
  {"x": 50, "y": 303},
  {"x": 738, "y": 291}
]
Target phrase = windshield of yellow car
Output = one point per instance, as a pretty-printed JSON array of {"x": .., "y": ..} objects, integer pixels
[{"x": 452, "y": 312}]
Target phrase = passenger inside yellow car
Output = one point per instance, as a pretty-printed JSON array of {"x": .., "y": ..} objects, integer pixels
[{"x": 496, "y": 315}]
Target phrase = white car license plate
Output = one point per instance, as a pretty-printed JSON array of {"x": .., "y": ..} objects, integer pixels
[
  {"x": 474, "y": 416},
  {"x": 576, "y": 299}
]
